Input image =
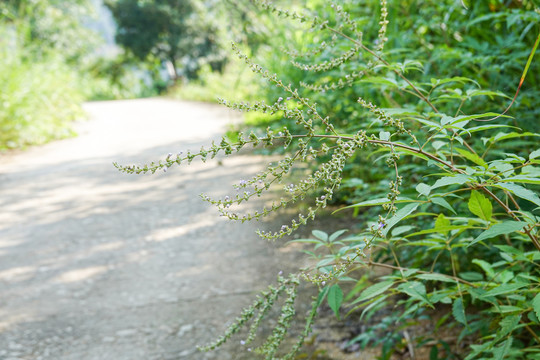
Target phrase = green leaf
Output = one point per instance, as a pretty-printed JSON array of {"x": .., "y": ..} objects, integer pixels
[
  {"x": 482, "y": 128},
  {"x": 441, "y": 230},
  {"x": 506, "y": 136},
  {"x": 480, "y": 206},
  {"x": 507, "y": 325},
  {"x": 337, "y": 234},
  {"x": 321, "y": 235},
  {"x": 423, "y": 189},
  {"x": 415, "y": 290},
  {"x": 442, "y": 202},
  {"x": 505, "y": 289},
  {"x": 450, "y": 180},
  {"x": 441, "y": 223},
  {"x": 536, "y": 305},
  {"x": 401, "y": 230},
  {"x": 522, "y": 179},
  {"x": 488, "y": 269},
  {"x": 521, "y": 192},
  {"x": 322, "y": 295},
  {"x": 374, "y": 290},
  {"x": 436, "y": 277},
  {"x": 500, "y": 352},
  {"x": 459, "y": 312},
  {"x": 335, "y": 297},
  {"x": 399, "y": 215},
  {"x": 472, "y": 157},
  {"x": 534, "y": 154},
  {"x": 503, "y": 228},
  {"x": 462, "y": 118}
]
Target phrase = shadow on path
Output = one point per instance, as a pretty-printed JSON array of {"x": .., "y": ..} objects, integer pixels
[{"x": 95, "y": 264}]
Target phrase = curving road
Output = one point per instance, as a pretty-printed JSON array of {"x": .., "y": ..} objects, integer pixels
[{"x": 96, "y": 264}]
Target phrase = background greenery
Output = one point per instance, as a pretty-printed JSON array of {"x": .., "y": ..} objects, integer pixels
[
  {"x": 457, "y": 243},
  {"x": 452, "y": 254}
]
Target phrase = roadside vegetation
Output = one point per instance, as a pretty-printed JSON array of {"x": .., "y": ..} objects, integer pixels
[
  {"x": 417, "y": 119},
  {"x": 420, "y": 120}
]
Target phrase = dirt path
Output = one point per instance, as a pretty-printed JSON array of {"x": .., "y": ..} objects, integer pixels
[{"x": 95, "y": 264}]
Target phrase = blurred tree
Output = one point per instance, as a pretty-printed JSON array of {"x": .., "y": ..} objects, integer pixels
[
  {"x": 171, "y": 30},
  {"x": 46, "y": 27}
]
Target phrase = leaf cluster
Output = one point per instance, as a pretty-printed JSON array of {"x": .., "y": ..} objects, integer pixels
[{"x": 448, "y": 176}]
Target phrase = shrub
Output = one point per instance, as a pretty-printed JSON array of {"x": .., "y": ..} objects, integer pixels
[
  {"x": 38, "y": 98},
  {"x": 453, "y": 218}
]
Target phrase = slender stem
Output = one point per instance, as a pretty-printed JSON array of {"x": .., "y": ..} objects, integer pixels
[
  {"x": 399, "y": 268},
  {"x": 511, "y": 213},
  {"x": 378, "y": 57}
]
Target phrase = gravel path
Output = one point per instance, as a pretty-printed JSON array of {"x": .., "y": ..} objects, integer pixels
[{"x": 96, "y": 264}]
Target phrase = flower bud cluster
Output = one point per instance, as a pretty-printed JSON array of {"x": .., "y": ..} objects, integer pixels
[
  {"x": 331, "y": 64},
  {"x": 383, "y": 22},
  {"x": 264, "y": 302}
]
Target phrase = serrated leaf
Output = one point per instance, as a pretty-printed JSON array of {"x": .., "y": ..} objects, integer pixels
[
  {"x": 441, "y": 223},
  {"x": 441, "y": 230},
  {"x": 521, "y": 192},
  {"x": 471, "y": 276},
  {"x": 337, "y": 234},
  {"x": 482, "y": 128},
  {"x": 536, "y": 305},
  {"x": 374, "y": 290},
  {"x": 321, "y": 235},
  {"x": 505, "y": 289},
  {"x": 423, "y": 189},
  {"x": 522, "y": 179},
  {"x": 399, "y": 215},
  {"x": 488, "y": 269},
  {"x": 334, "y": 298},
  {"x": 507, "y": 325},
  {"x": 415, "y": 290},
  {"x": 500, "y": 351},
  {"x": 503, "y": 228},
  {"x": 450, "y": 180},
  {"x": 506, "y": 136},
  {"x": 436, "y": 277},
  {"x": 322, "y": 295},
  {"x": 472, "y": 157},
  {"x": 458, "y": 311},
  {"x": 480, "y": 206},
  {"x": 401, "y": 230},
  {"x": 534, "y": 154},
  {"x": 442, "y": 202}
]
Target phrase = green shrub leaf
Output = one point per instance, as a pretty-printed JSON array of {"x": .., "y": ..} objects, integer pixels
[
  {"x": 521, "y": 192},
  {"x": 374, "y": 290},
  {"x": 472, "y": 157},
  {"x": 423, "y": 189},
  {"x": 503, "y": 228},
  {"x": 400, "y": 215},
  {"x": 480, "y": 206},
  {"x": 335, "y": 297},
  {"x": 507, "y": 325},
  {"x": 536, "y": 305},
  {"x": 450, "y": 180},
  {"x": 442, "y": 202},
  {"x": 416, "y": 290},
  {"x": 458, "y": 311}
]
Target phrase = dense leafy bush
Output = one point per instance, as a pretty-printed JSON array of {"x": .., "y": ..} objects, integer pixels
[
  {"x": 38, "y": 99},
  {"x": 443, "y": 180}
]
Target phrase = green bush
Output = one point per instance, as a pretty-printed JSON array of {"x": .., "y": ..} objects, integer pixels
[
  {"x": 442, "y": 179},
  {"x": 38, "y": 99}
]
